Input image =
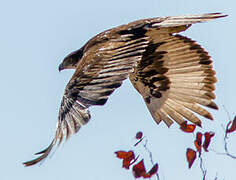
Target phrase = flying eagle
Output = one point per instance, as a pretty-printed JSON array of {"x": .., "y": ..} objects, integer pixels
[{"x": 172, "y": 73}]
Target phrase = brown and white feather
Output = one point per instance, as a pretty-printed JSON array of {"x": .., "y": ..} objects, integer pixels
[
  {"x": 172, "y": 73},
  {"x": 175, "y": 79}
]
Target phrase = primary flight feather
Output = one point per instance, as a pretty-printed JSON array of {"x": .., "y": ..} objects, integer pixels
[{"x": 172, "y": 73}]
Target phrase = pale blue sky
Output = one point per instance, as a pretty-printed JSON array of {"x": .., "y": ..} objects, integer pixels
[{"x": 34, "y": 38}]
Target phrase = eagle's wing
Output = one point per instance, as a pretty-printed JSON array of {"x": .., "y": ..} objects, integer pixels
[
  {"x": 108, "y": 59},
  {"x": 175, "y": 77}
]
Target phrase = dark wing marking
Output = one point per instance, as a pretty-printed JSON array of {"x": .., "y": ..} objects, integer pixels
[{"x": 175, "y": 77}]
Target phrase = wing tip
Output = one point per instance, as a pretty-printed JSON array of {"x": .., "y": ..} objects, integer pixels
[
  {"x": 199, "y": 123},
  {"x": 30, "y": 163},
  {"x": 213, "y": 105},
  {"x": 217, "y": 15},
  {"x": 209, "y": 116},
  {"x": 44, "y": 155}
]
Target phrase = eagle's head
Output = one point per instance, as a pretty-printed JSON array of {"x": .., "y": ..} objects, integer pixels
[{"x": 71, "y": 60}]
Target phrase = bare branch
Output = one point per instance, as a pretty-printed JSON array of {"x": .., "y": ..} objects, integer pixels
[
  {"x": 150, "y": 156},
  {"x": 216, "y": 177},
  {"x": 226, "y": 146},
  {"x": 227, "y": 112},
  {"x": 203, "y": 169}
]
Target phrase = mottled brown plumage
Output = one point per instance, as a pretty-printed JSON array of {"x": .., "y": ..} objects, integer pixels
[{"x": 172, "y": 73}]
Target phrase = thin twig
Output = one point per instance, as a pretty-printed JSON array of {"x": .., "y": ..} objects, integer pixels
[
  {"x": 204, "y": 171},
  {"x": 150, "y": 156},
  {"x": 226, "y": 146},
  {"x": 227, "y": 112},
  {"x": 216, "y": 177},
  {"x": 218, "y": 153},
  {"x": 149, "y": 152},
  {"x": 227, "y": 153},
  {"x": 226, "y": 135}
]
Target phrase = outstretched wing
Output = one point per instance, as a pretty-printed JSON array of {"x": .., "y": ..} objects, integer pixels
[
  {"x": 175, "y": 77},
  {"x": 107, "y": 60},
  {"x": 105, "y": 64}
]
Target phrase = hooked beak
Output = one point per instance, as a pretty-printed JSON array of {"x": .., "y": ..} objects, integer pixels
[{"x": 61, "y": 67}]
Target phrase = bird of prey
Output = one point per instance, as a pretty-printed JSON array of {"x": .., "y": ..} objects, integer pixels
[{"x": 172, "y": 73}]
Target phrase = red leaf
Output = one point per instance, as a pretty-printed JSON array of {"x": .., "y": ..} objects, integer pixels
[
  {"x": 121, "y": 154},
  {"x": 127, "y": 157},
  {"x": 199, "y": 138},
  {"x": 139, "y": 135},
  {"x": 207, "y": 141},
  {"x": 198, "y": 142},
  {"x": 233, "y": 126},
  {"x": 191, "y": 156},
  {"x": 139, "y": 169},
  {"x": 188, "y": 128}
]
